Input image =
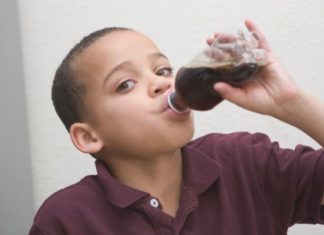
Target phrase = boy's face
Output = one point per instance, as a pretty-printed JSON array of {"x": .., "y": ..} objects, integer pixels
[{"x": 127, "y": 81}]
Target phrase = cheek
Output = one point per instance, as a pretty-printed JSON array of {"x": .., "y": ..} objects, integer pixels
[
  {"x": 182, "y": 133},
  {"x": 119, "y": 121},
  {"x": 132, "y": 122}
]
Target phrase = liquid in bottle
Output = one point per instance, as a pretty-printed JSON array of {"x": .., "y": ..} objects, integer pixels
[
  {"x": 194, "y": 86},
  {"x": 194, "y": 82}
]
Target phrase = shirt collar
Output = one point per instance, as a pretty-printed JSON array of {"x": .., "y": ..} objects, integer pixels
[
  {"x": 199, "y": 173},
  {"x": 119, "y": 194}
]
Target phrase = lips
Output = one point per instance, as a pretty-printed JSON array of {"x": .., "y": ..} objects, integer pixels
[
  {"x": 167, "y": 109},
  {"x": 165, "y": 105}
]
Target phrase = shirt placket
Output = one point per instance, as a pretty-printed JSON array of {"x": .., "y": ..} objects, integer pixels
[
  {"x": 160, "y": 221},
  {"x": 188, "y": 204}
]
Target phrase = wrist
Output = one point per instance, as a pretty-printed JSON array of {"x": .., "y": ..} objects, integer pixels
[
  {"x": 306, "y": 113},
  {"x": 289, "y": 109}
]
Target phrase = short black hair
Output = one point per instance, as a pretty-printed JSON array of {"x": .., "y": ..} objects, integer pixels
[{"x": 67, "y": 90}]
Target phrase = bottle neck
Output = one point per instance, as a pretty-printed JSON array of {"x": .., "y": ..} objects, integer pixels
[{"x": 176, "y": 104}]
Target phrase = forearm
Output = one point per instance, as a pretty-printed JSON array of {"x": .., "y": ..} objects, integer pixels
[
  {"x": 307, "y": 114},
  {"x": 277, "y": 95}
]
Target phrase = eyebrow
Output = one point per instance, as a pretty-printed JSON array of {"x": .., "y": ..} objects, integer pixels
[
  {"x": 157, "y": 55},
  {"x": 127, "y": 63},
  {"x": 120, "y": 66}
]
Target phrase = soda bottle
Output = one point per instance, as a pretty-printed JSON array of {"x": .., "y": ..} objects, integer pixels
[{"x": 233, "y": 57}]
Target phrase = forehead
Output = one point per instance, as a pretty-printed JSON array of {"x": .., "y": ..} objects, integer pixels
[
  {"x": 111, "y": 49},
  {"x": 119, "y": 45}
]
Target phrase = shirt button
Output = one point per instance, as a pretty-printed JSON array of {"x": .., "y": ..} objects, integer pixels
[{"x": 154, "y": 202}]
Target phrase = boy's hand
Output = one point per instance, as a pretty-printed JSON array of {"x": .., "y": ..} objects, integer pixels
[{"x": 271, "y": 92}]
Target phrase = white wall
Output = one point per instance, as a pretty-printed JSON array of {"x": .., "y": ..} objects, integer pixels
[
  {"x": 16, "y": 196},
  {"x": 50, "y": 28}
]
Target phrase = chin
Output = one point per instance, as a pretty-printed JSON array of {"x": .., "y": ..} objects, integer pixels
[{"x": 185, "y": 137}]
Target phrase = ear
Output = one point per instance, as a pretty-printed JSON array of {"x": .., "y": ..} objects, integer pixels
[{"x": 85, "y": 138}]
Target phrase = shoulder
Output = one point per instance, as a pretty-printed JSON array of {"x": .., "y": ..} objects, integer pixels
[
  {"x": 239, "y": 149},
  {"x": 216, "y": 142},
  {"x": 68, "y": 203},
  {"x": 81, "y": 190}
]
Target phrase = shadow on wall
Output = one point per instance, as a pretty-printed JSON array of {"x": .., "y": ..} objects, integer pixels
[{"x": 16, "y": 200}]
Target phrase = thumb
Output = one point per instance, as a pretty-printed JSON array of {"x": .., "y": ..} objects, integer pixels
[{"x": 230, "y": 93}]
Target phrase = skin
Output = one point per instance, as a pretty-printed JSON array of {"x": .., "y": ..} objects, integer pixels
[
  {"x": 128, "y": 127},
  {"x": 274, "y": 93}
]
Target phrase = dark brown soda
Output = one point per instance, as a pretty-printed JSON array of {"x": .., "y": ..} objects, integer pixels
[{"x": 194, "y": 86}]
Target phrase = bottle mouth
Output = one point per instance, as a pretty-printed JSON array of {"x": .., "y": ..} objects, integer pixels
[{"x": 175, "y": 105}]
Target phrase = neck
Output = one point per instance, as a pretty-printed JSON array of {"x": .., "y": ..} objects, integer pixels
[{"x": 161, "y": 176}]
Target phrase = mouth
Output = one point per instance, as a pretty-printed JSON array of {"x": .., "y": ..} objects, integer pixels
[{"x": 166, "y": 108}]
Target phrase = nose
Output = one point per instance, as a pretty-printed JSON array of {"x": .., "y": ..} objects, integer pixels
[{"x": 158, "y": 85}]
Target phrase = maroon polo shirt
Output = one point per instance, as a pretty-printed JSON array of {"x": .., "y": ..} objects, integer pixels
[{"x": 232, "y": 184}]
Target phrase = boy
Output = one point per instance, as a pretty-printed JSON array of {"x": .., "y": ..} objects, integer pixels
[{"x": 111, "y": 94}]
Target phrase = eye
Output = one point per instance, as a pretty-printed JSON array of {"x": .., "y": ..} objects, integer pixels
[
  {"x": 125, "y": 86},
  {"x": 165, "y": 72}
]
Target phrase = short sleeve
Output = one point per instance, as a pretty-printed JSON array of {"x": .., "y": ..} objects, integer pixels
[
  {"x": 292, "y": 180},
  {"x": 35, "y": 231}
]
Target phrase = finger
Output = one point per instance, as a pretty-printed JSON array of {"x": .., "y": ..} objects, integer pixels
[
  {"x": 210, "y": 41},
  {"x": 222, "y": 38},
  {"x": 226, "y": 38},
  {"x": 232, "y": 94},
  {"x": 217, "y": 54},
  {"x": 252, "y": 27},
  {"x": 216, "y": 34}
]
